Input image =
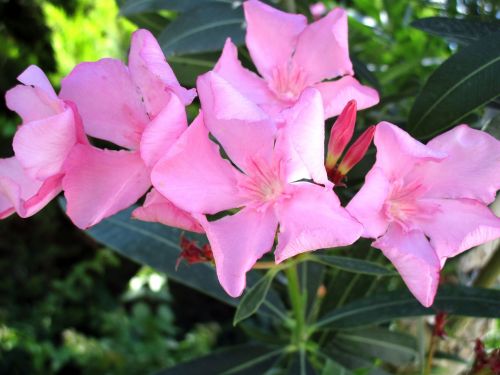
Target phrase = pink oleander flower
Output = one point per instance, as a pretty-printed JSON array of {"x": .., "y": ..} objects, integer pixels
[
  {"x": 139, "y": 108},
  {"x": 318, "y": 10},
  {"x": 291, "y": 55},
  {"x": 263, "y": 183},
  {"x": 427, "y": 203},
  {"x": 50, "y": 129}
]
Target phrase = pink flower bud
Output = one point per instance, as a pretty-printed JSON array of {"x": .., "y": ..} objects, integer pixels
[
  {"x": 341, "y": 134},
  {"x": 357, "y": 151}
]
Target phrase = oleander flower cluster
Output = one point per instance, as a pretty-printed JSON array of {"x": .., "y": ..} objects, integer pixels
[{"x": 250, "y": 171}]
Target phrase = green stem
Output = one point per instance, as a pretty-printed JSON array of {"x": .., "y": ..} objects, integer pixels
[
  {"x": 290, "y": 6},
  {"x": 297, "y": 305}
]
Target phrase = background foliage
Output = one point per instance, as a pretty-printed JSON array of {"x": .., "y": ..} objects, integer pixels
[{"x": 68, "y": 305}]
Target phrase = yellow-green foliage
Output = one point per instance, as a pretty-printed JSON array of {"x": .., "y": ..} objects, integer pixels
[{"x": 94, "y": 31}]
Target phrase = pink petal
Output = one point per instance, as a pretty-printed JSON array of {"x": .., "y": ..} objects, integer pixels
[
  {"x": 158, "y": 209},
  {"x": 237, "y": 242},
  {"x": 458, "y": 225},
  {"x": 368, "y": 204},
  {"x": 398, "y": 152},
  {"x": 161, "y": 133},
  {"x": 108, "y": 101},
  {"x": 249, "y": 84},
  {"x": 415, "y": 260},
  {"x": 241, "y": 127},
  {"x": 21, "y": 193},
  {"x": 271, "y": 35},
  {"x": 99, "y": 183},
  {"x": 322, "y": 48},
  {"x": 152, "y": 74},
  {"x": 471, "y": 170},
  {"x": 313, "y": 219},
  {"x": 42, "y": 146},
  {"x": 194, "y": 176},
  {"x": 34, "y": 76},
  {"x": 336, "y": 94},
  {"x": 32, "y": 103},
  {"x": 303, "y": 138}
]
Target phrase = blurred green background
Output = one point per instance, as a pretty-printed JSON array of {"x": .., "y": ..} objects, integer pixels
[{"x": 68, "y": 306}]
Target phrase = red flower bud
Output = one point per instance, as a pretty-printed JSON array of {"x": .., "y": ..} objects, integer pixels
[
  {"x": 357, "y": 151},
  {"x": 341, "y": 134}
]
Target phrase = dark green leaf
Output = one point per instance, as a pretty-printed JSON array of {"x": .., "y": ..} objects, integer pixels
[
  {"x": 392, "y": 347},
  {"x": 244, "y": 359},
  {"x": 454, "y": 300},
  {"x": 462, "y": 84},
  {"x": 141, "y": 6},
  {"x": 188, "y": 67},
  {"x": 151, "y": 21},
  {"x": 300, "y": 365},
  {"x": 158, "y": 246},
  {"x": 353, "y": 265},
  {"x": 361, "y": 71},
  {"x": 253, "y": 298},
  {"x": 463, "y": 31},
  {"x": 203, "y": 29},
  {"x": 332, "y": 367},
  {"x": 353, "y": 361}
]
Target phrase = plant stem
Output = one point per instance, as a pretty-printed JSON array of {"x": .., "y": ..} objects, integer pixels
[
  {"x": 290, "y": 6},
  {"x": 297, "y": 305},
  {"x": 430, "y": 355}
]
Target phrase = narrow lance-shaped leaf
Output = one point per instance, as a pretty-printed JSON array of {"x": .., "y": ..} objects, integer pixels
[
  {"x": 253, "y": 298},
  {"x": 353, "y": 265},
  {"x": 158, "y": 246},
  {"x": 462, "y": 84},
  {"x": 142, "y": 6},
  {"x": 203, "y": 29},
  {"x": 243, "y": 359},
  {"x": 464, "y": 31},
  {"x": 454, "y": 300}
]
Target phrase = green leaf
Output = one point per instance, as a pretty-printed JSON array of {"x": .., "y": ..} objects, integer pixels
[
  {"x": 203, "y": 29},
  {"x": 253, "y": 298},
  {"x": 353, "y": 265},
  {"x": 464, "y": 31},
  {"x": 142, "y": 6},
  {"x": 392, "y": 347},
  {"x": 353, "y": 362},
  {"x": 188, "y": 67},
  {"x": 462, "y": 84},
  {"x": 332, "y": 367},
  {"x": 454, "y": 300},
  {"x": 158, "y": 246},
  {"x": 244, "y": 359}
]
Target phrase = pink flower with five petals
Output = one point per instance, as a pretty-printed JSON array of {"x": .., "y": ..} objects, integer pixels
[
  {"x": 50, "y": 129},
  {"x": 139, "y": 108},
  {"x": 265, "y": 182},
  {"x": 291, "y": 55},
  {"x": 427, "y": 203}
]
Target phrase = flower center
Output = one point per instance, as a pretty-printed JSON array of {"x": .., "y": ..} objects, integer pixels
[
  {"x": 288, "y": 81},
  {"x": 405, "y": 205},
  {"x": 263, "y": 184}
]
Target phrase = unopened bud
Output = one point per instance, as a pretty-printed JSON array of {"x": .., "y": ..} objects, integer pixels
[
  {"x": 341, "y": 134},
  {"x": 357, "y": 151}
]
